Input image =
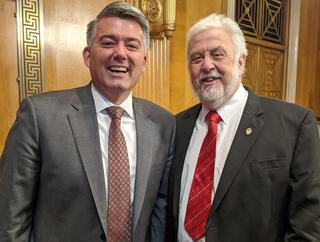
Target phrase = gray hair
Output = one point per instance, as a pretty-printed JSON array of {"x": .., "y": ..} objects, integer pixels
[
  {"x": 124, "y": 11},
  {"x": 220, "y": 21}
]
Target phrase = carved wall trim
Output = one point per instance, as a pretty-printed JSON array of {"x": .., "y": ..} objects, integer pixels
[
  {"x": 293, "y": 51},
  {"x": 169, "y": 19},
  {"x": 231, "y": 8},
  {"x": 30, "y": 54},
  {"x": 152, "y": 9},
  {"x": 161, "y": 15}
]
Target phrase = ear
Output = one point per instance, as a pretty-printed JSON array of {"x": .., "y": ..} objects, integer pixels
[
  {"x": 242, "y": 63},
  {"x": 144, "y": 62},
  {"x": 86, "y": 56}
]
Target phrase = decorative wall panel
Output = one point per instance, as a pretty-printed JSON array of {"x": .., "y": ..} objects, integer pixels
[
  {"x": 29, "y": 24},
  {"x": 265, "y": 24},
  {"x": 251, "y": 73},
  {"x": 271, "y": 67},
  {"x": 263, "y": 19},
  {"x": 272, "y": 24},
  {"x": 264, "y": 71},
  {"x": 246, "y": 16}
]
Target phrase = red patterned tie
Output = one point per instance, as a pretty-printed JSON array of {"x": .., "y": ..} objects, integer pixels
[
  {"x": 199, "y": 203},
  {"x": 119, "y": 209}
]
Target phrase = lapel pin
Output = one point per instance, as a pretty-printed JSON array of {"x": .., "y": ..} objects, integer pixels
[{"x": 248, "y": 131}]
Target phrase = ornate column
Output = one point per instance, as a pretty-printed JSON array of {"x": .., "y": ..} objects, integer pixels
[{"x": 154, "y": 84}]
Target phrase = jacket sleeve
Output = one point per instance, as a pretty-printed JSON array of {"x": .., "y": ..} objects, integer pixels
[
  {"x": 304, "y": 204},
  {"x": 158, "y": 217},
  {"x": 19, "y": 176}
]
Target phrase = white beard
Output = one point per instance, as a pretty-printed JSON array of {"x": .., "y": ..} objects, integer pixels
[{"x": 214, "y": 96}]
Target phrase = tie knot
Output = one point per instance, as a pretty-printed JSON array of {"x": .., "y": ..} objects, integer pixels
[
  {"x": 213, "y": 116},
  {"x": 115, "y": 112}
]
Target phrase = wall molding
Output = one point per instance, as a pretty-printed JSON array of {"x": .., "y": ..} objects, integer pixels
[
  {"x": 30, "y": 47},
  {"x": 293, "y": 49},
  {"x": 231, "y": 8}
]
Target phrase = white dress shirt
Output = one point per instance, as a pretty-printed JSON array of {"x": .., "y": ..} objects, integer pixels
[
  {"x": 128, "y": 128},
  {"x": 230, "y": 113}
]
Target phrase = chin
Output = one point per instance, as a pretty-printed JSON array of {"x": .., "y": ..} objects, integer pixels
[
  {"x": 213, "y": 97},
  {"x": 213, "y": 103}
]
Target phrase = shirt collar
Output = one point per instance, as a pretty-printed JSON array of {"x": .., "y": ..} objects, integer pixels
[
  {"x": 228, "y": 109},
  {"x": 101, "y": 102}
]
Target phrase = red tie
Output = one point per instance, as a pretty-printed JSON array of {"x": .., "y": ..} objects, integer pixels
[{"x": 199, "y": 203}]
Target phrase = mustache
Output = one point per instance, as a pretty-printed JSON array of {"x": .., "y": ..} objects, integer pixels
[{"x": 212, "y": 74}]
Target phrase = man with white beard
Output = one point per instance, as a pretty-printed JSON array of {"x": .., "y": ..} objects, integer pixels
[{"x": 246, "y": 168}]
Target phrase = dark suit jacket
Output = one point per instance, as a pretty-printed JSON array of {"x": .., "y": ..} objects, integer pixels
[
  {"x": 51, "y": 175},
  {"x": 269, "y": 190}
]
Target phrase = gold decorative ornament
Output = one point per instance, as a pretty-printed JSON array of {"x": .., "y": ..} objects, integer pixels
[
  {"x": 152, "y": 9},
  {"x": 30, "y": 59},
  {"x": 161, "y": 16},
  {"x": 169, "y": 18}
]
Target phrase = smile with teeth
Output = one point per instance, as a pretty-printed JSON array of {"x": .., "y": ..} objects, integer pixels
[
  {"x": 210, "y": 79},
  {"x": 118, "y": 69}
]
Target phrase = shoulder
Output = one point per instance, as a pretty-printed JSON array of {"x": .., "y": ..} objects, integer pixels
[
  {"x": 279, "y": 114},
  {"x": 146, "y": 112},
  {"x": 268, "y": 108},
  {"x": 151, "y": 109},
  {"x": 190, "y": 112},
  {"x": 59, "y": 96},
  {"x": 55, "y": 103},
  {"x": 282, "y": 108}
]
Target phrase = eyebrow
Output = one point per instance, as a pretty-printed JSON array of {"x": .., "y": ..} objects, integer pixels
[
  {"x": 114, "y": 37},
  {"x": 216, "y": 49},
  {"x": 219, "y": 48}
]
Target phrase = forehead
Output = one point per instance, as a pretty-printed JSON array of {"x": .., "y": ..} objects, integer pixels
[
  {"x": 211, "y": 38},
  {"x": 119, "y": 26}
]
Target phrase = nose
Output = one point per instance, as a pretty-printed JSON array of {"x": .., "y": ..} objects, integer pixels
[
  {"x": 120, "y": 52},
  {"x": 208, "y": 64}
]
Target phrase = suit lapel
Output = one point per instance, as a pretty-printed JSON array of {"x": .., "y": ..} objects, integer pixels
[
  {"x": 83, "y": 121},
  {"x": 241, "y": 145},
  {"x": 185, "y": 126},
  {"x": 145, "y": 130}
]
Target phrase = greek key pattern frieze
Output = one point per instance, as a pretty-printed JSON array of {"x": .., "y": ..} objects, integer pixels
[{"x": 29, "y": 16}]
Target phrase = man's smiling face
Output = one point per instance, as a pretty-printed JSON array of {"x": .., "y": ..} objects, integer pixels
[
  {"x": 116, "y": 57},
  {"x": 214, "y": 69}
]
